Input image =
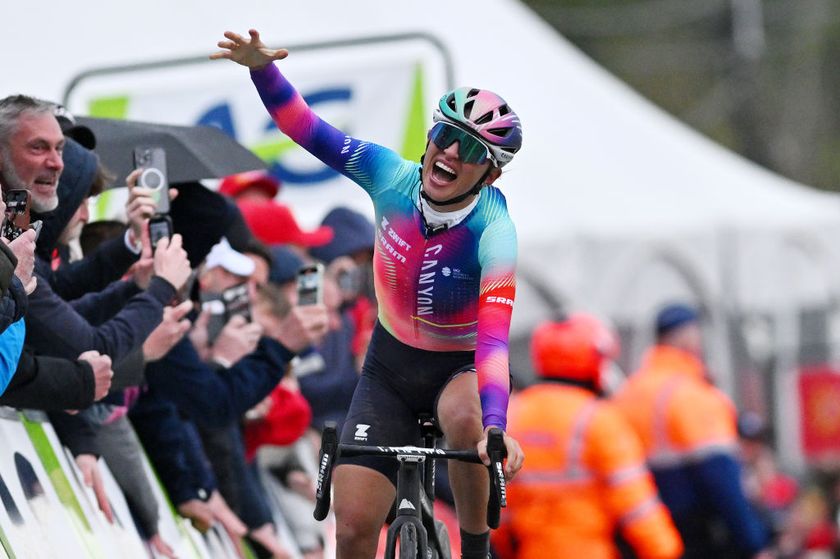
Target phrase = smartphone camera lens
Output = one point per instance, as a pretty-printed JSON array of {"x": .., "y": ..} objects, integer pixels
[{"x": 151, "y": 178}]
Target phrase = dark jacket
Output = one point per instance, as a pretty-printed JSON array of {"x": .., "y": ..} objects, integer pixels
[
  {"x": 47, "y": 383},
  {"x": 108, "y": 263},
  {"x": 13, "y": 299},
  {"x": 217, "y": 398},
  {"x": 173, "y": 448}
]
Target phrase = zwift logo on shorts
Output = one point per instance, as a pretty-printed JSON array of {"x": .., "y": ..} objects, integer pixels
[{"x": 361, "y": 432}]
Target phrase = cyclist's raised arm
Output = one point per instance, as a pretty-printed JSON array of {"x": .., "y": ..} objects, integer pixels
[{"x": 367, "y": 164}]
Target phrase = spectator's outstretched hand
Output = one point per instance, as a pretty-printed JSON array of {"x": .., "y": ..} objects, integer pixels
[
  {"x": 226, "y": 517},
  {"x": 304, "y": 326},
  {"x": 171, "y": 261},
  {"x": 236, "y": 340},
  {"x": 161, "y": 547},
  {"x": 143, "y": 270},
  {"x": 171, "y": 329},
  {"x": 24, "y": 250},
  {"x": 140, "y": 205},
  {"x": 198, "y": 512},
  {"x": 248, "y": 52},
  {"x": 92, "y": 477},
  {"x": 199, "y": 335},
  {"x": 102, "y": 372}
]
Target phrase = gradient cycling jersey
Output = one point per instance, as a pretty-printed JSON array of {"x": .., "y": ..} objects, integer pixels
[{"x": 451, "y": 291}]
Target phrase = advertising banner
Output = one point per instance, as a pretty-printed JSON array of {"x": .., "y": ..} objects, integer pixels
[
  {"x": 819, "y": 392},
  {"x": 380, "y": 90}
]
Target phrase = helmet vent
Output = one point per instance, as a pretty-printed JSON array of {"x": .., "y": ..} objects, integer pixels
[
  {"x": 485, "y": 118},
  {"x": 473, "y": 92},
  {"x": 500, "y": 132},
  {"x": 503, "y": 110},
  {"x": 468, "y": 107},
  {"x": 450, "y": 102}
]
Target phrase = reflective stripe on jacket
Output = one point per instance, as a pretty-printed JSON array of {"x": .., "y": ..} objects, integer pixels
[
  {"x": 688, "y": 431},
  {"x": 584, "y": 478},
  {"x": 679, "y": 416}
]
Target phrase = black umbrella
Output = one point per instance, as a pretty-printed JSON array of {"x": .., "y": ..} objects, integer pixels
[{"x": 192, "y": 152}]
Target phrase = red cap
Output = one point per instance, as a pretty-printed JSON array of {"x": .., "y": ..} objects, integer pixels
[
  {"x": 574, "y": 348},
  {"x": 233, "y": 185},
  {"x": 274, "y": 224}
]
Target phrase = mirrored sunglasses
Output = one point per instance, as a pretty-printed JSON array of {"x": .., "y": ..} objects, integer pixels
[{"x": 470, "y": 149}]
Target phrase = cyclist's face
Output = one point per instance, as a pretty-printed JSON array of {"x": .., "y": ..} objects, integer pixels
[{"x": 446, "y": 176}]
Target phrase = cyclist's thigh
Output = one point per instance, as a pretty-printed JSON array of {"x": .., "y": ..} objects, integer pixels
[
  {"x": 458, "y": 408},
  {"x": 363, "y": 497}
]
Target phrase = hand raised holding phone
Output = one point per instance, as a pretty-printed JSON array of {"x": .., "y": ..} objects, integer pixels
[
  {"x": 152, "y": 183},
  {"x": 23, "y": 248},
  {"x": 171, "y": 262}
]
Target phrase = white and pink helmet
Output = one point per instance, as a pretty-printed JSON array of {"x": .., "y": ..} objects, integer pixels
[{"x": 486, "y": 115}]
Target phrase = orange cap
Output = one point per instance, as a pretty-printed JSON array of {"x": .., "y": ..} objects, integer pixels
[{"x": 574, "y": 348}]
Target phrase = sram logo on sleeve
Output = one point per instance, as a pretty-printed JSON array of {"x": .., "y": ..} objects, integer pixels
[{"x": 502, "y": 300}]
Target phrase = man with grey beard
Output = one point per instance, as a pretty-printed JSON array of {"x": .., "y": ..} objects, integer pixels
[{"x": 31, "y": 144}]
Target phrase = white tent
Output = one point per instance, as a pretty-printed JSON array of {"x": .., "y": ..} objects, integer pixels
[{"x": 618, "y": 206}]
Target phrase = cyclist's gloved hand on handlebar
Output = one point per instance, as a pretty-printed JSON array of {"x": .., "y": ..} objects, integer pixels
[{"x": 515, "y": 456}]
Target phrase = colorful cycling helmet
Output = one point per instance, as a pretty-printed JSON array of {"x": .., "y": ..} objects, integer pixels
[
  {"x": 576, "y": 348},
  {"x": 485, "y": 114}
]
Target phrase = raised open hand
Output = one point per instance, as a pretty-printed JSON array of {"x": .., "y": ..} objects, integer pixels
[{"x": 251, "y": 53}]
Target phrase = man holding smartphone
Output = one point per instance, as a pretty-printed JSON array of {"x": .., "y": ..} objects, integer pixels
[{"x": 31, "y": 144}]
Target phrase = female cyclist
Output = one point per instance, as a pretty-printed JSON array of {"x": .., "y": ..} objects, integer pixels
[{"x": 444, "y": 277}]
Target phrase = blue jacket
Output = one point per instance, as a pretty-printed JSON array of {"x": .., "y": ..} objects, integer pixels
[{"x": 11, "y": 345}]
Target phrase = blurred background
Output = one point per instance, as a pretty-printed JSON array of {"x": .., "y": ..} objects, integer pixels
[{"x": 758, "y": 76}]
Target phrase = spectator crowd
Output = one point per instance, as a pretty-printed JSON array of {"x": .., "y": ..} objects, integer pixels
[{"x": 193, "y": 351}]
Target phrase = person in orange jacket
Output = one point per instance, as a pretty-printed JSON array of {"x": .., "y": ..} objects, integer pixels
[
  {"x": 585, "y": 477},
  {"x": 688, "y": 430}
]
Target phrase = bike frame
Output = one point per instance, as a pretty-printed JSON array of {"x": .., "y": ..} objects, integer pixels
[
  {"x": 415, "y": 483},
  {"x": 411, "y": 506}
]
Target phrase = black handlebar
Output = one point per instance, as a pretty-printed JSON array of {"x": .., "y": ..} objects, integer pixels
[
  {"x": 331, "y": 449},
  {"x": 326, "y": 459},
  {"x": 497, "y": 451}
]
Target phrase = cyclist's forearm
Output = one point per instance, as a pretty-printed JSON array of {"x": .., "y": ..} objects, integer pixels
[{"x": 360, "y": 161}]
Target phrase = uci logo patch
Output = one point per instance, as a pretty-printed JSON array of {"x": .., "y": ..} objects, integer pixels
[{"x": 361, "y": 432}]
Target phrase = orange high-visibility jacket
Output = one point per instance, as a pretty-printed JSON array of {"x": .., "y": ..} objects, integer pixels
[
  {"x": 679, "y": 416},
  {"x": 584, "y": 478}
]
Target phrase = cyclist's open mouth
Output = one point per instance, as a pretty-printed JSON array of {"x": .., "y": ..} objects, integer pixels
[{"x": 443, "y": 173}]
